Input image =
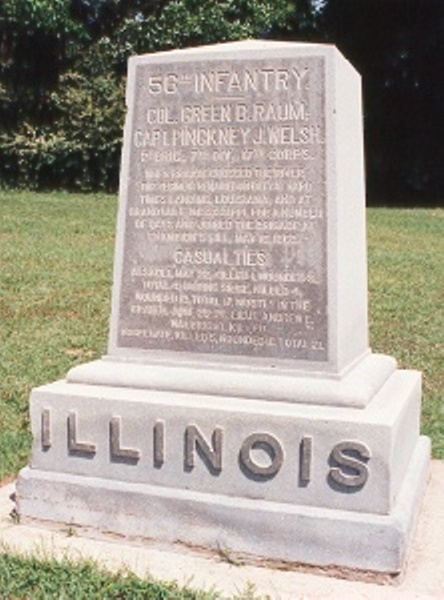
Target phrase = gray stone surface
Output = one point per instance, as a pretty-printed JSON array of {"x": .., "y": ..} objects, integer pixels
[
  {"x": 221, "y": 572},
  {"x": 238, "y": 198},
  {"x": 239, "y": 405},
  {"x": 242, "y": 526},
  {"x": 354, "y": 389},
  {"x": 286, "y": 453}
]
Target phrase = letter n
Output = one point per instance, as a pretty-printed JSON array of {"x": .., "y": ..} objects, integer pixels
[{"x": 211, "y": 455}]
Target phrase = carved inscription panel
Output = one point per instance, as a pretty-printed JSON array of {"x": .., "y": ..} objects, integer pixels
[{"x": 225, "y": 233}]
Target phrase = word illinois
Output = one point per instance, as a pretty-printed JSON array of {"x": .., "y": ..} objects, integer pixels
[{"x": 347, "y": 461}]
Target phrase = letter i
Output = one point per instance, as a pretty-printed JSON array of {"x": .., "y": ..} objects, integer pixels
[
  {"x": 159, "y": 443},
  {"x": 305, "y": 458}
]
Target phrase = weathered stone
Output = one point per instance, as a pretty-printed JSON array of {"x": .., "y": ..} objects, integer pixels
[
  {"x": 239, "y": 404},
  {"x": 355, "y": 460},
  {"x": 241, "y": 229},
  {"x": 242, "y": 526}
]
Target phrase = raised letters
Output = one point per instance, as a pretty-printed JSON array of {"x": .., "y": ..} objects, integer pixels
[
  {"x": 261, "y": 454},
  {"x": 210, "y": 454},
  {"x": 352, "y": 470},
  {"x": 269, "y": 445},
  {"x": 46, "y": 429},
  {"x": 159, "y": 443},
  {"x": 116, "y": 449},
  {"x": 74, "y": 446},
  {"x": 306, "y": 454}
]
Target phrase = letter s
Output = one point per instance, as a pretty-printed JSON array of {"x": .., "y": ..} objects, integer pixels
[
  {"x": 261, "y": 258},
  {"x": 344, "y": 454}
]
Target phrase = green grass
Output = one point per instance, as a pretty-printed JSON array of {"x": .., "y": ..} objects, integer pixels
[
  {"x": 56, "y": 254},
  {"x": 56, "y": 262},
  {"x": 406, "y": 301},
  {"x": 44, "y": 580}
]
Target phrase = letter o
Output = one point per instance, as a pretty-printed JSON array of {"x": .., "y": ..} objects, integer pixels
[{"x": 272, "y": 447}]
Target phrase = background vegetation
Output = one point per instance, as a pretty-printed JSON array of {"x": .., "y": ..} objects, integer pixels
[
  {"x": 62, "y": 75},
  {"x": 63, "y": 65}
]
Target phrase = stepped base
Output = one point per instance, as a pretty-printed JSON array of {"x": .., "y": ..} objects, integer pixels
[
  {"x": 355, "y": 388},
  {"x": 322, "y": 485},
  {"x": 239, "y": 526}
]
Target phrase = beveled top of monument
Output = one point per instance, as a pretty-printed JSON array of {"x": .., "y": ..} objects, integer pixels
[
  {"x": 241, "y": 233},
  {"x": 244, "y": 46}
]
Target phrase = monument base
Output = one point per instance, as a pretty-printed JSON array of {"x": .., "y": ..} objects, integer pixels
[
  {"x": 241, "y": 527},
  {"x": 354, "y": 388},
  {"x": 280, "y": 481}
]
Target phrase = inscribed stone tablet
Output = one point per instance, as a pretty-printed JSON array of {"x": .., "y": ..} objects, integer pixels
[{"x": 225, "y": 227}]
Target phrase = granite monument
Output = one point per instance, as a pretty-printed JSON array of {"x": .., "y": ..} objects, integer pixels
[{"x": 239, "y": 405}]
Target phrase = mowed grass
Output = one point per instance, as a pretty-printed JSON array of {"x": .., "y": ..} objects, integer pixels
[
  {"x": 56, "y": 255},
  {"x": 406, "y": 301},
  {"x": 48, "y": 579}
]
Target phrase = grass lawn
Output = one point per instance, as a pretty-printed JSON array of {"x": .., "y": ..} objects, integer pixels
[
  {"x": 45, "y": 580},
  {"x": 56, "y": 255},
  {"x": 406, "y": 301}
]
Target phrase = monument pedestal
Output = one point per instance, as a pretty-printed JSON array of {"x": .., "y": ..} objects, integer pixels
[
  {"x": 324, "y": 485},
  {"x": 240, "y": 406},
  {"x": 250, "y": 529},
  {"x": 354, "y": 388}
]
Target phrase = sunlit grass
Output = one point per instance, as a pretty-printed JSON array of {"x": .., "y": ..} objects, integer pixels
[
  {"x": 406, "y": 292},
  {"x": 56, "y": 261},
  {"x": 51, "y": 580}
]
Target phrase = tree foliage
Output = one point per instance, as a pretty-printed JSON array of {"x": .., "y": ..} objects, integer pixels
[
  {"x": 398, "y": 47},
  {"x": 37, "y": 40},
  {"x": 181, "y": 23},
  {"x": 62, "y": 69},
  {"x": 63, "y": 65}
]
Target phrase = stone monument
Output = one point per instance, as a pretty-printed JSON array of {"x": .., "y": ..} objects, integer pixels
[{"x": 239, "y": 405}]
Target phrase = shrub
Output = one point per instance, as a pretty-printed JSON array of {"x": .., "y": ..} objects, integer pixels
[{"x": 81, "y": 149}]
